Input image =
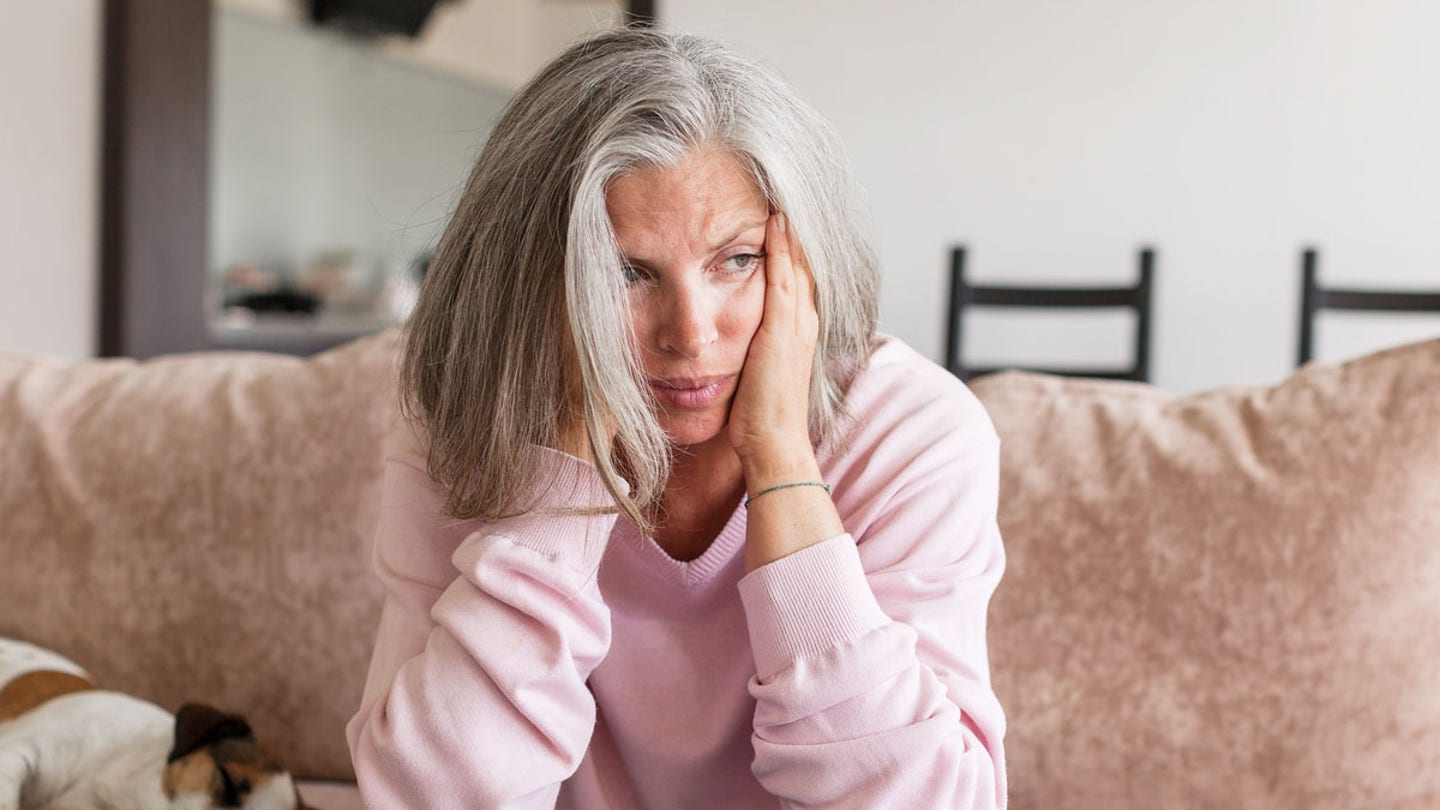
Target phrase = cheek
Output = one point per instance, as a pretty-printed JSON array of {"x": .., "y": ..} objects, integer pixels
[
  {"x": 646, "y": 321},
  {"x": 639, "y": 323},
  {"x": 746, "y": 309}
]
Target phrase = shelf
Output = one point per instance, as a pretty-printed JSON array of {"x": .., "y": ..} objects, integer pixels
[{"x": 301, "y": 335}]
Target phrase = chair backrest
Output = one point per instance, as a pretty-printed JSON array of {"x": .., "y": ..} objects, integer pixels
[
  {"x": 1314, "y": 298},
  {"x": 1139, "y": 297}
]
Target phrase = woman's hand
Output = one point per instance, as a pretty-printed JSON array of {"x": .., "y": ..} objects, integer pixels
[
  {"x": 770, "y": 417},
  {"x": 769, "y": 425}
]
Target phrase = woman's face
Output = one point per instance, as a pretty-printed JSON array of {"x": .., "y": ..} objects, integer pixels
[{"x": 693, "y": 237}]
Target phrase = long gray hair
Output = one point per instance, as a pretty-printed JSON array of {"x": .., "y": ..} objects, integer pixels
[{"x": 526, "y": 287}]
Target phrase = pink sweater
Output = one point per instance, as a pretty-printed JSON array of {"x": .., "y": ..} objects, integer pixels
[{"x": 852, "y": 674}]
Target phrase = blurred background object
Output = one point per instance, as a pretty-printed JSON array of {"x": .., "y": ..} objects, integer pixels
[
  {"x": 341, "y": 132},
  {"x": 965, "y": 296},
  {"x": 1045, "y": 135},
  {"x": 266, "y": 174},
  {"x": 1316, "y": 297}
]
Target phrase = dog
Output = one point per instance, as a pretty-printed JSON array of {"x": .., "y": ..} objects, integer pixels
[{"x": 67, "y": 745}]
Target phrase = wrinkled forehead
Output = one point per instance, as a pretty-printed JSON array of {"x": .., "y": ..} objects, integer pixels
[{"x": 685, "y": 207}]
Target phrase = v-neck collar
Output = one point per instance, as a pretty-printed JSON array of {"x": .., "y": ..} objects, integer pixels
[{"x": 727, "y": 548}]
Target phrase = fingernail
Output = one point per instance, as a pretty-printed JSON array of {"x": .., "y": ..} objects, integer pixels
[{"x": 780, "y": 220}]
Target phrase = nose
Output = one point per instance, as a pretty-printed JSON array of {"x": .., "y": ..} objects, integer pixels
[{"x": 687, "y": 323}]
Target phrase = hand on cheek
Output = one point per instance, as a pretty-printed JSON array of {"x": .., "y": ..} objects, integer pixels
[
  {"x": 770, "y": 420},
  {"x": 769, "y": 417}
]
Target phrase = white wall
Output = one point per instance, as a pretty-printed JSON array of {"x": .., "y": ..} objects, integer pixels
[
  {"x": 49, "y": 175},
  {"x": 1054, "y": 137}
]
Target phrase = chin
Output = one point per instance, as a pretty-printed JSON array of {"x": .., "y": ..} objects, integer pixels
[{"x": 693, "y": 430}]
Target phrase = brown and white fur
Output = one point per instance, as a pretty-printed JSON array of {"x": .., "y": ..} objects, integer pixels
[{"x": 66, "y": 745}]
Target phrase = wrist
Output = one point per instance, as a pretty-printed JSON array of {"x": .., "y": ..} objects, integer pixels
[
  {"x": 782, "y": 487},
  {"x": 779, "y": 464}
]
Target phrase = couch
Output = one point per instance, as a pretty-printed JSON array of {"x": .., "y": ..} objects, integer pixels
[{"x": 1226, "y": 600}]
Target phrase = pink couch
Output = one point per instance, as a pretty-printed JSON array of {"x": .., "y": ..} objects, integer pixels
[{"x": 1229, "y": 600}]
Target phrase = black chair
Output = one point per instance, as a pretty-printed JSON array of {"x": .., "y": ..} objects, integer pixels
[
  {"x": 1139, "y": 297},
  {"x": 1314, "y": 298}
]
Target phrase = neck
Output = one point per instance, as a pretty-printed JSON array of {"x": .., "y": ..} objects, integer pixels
[
  {"x": 708, "y": 471},
  {"x": 706, "y": 482}
]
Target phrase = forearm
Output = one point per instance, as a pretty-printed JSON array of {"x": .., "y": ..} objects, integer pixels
[
  {"x": 495, "y": 710},
  {"x": 477, "y": 686},
  {"x": 848, "y": 715},
  {"x": 829, "y": 733},
  {"x": 784, "y": 521}
]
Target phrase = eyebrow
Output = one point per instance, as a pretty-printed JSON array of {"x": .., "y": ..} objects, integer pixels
[
  {"x": 722, "y": 243},
  {"x": 742, "y": 229}
]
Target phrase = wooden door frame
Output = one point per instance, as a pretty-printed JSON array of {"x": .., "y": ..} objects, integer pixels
[{"x": 154, "y": 165}]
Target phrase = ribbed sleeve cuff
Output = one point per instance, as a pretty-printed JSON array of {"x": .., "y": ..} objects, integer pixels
[{"x": 807, "y": 602}]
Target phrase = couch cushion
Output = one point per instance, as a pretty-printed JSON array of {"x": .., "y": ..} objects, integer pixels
[
  {"x": 197, "y": 528},
  {"x": 1228, "y": 600}
]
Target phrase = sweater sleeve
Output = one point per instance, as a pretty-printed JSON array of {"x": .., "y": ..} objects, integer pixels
[
  {"x": 476, "y": 694},
  {"x": 872, "y": 678}
]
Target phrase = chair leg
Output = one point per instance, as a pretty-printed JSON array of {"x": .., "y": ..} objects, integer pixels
[
  {"x": 959, "y": 300},
  {"x": 1309, "y": 264},
  {"x": 1144, "y": 301}
]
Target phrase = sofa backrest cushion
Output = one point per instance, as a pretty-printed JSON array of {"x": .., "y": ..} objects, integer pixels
[
  {"x": 1226, "y": 600},
  {"x": 198, "y": 527}
]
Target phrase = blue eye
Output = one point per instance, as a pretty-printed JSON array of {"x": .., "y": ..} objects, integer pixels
[
  {"x": 742, "y": 262},
  {"x": 633, "y": 274}
]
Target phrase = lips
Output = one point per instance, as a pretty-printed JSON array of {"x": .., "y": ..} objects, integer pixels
[{"x": 692, "y": 392}]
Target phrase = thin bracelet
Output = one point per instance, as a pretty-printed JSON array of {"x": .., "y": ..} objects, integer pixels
[{"x": 787, "y": 486}]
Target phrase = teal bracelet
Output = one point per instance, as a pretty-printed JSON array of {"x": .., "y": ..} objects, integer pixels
[{"x": 787, "y": 486}]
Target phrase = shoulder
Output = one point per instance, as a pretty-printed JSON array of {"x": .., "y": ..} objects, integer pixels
[
  {"x": 908, "y": 424},
  {"x": 903, "y": 398}
]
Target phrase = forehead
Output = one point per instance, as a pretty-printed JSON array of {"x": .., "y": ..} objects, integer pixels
[{"x": 699, "y": 198}]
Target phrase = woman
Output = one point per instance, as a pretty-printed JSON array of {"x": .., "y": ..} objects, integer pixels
[{"x": 617, "y": 573}]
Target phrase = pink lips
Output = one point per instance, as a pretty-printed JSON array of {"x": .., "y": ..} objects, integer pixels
[{"x": 691, "y": 393}]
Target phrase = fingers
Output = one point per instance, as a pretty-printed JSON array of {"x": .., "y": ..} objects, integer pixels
[
  {"x": 779, "y": 271},
  {"x": 789, "y": 279}
]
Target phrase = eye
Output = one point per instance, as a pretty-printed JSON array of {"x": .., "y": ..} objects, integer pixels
[
  {"x": 741, "y": 263},
  {"x": 634, "y": 275}
]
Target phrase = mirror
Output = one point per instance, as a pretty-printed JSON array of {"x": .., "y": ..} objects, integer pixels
[{"x": 336, "y": 156}]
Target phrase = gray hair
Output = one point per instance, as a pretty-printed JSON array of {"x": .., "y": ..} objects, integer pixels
[{"x": 488, "y": 369}]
